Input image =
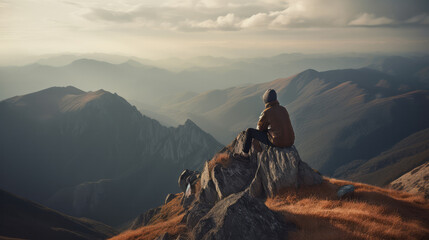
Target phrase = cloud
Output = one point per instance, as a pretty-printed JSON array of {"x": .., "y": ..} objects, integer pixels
[
  {"x": 228, "y": 22},
  {"x": 367, "y": 19},
  {"x": 419, "y": 19},
  {"x": 235, "y": 15},
  {"x": 110, "y": 15}
]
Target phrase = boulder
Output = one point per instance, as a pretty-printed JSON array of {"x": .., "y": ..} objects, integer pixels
[
  {"x": 187, "y": 177},
  {"x": 240, "y": 216},
  {"x": 281, "y": 168},
  {"x": 233, "y": 179},
  {"x": 208, "y": 193},
  {"x": 264, "y": 173},
  {"x": 345, "y": 191}
]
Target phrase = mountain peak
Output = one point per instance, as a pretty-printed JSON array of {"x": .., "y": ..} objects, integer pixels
[
  {"x": 189, "y": 122},
  {"x": 133, "y": 63},
  {"x": 88, "y": 62},
  {"x": 309, "y": 72}
]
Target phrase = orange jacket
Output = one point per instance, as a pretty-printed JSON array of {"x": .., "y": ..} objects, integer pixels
[{"x": 275, "y": 119}]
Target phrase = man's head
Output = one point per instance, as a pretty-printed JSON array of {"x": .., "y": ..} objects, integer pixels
[{"x": 269, "y": 96}]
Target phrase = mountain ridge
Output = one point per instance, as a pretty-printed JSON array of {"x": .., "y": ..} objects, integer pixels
[{"x": 81, "y": 138}]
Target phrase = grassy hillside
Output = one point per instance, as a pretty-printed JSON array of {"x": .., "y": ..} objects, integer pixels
[
  {"x": 24, "y": 219},
  {"x": 371, "y": 213}
]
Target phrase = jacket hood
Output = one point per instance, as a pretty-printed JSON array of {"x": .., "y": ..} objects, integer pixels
[{"x": 272, "y": 104}]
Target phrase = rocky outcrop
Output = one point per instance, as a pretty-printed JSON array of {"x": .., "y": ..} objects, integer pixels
[
  {"x": 415, "y": 181},
  {"x": 240, "y": 216},
  {"x": 264, "y": 174},
  {"x": 225, "y": 201}
]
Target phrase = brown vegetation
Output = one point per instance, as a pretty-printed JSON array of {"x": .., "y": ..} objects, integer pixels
[
  {"x": 168, "y": 220},
  {"x": 221, "y": 158},
  {"x": 372, "y": 212}
]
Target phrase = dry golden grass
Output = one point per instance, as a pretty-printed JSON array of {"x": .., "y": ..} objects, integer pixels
[
  {"x": 222, "y": 158},
  {"x": 372, "y": 213},
  {"x": 167, "y": 220}
]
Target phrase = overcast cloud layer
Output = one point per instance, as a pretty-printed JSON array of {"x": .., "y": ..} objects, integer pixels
[
  {"x": 167, "y": 28},
  {"x": 267, "y": 14}
]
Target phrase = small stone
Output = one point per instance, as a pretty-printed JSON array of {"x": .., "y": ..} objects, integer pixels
[{"x": 345, "y": 190}]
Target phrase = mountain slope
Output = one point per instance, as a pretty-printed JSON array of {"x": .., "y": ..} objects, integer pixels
[
  {"x": 339, "y": 116},
  {"x": 415, "y": 181},
  {"x": 405, "y": 155},
  {"x": 24, "y": 219},
  {"x": 85, "y": 152}
]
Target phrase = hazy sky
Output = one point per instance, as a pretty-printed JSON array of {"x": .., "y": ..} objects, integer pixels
[{"x": 237, "y": 28}]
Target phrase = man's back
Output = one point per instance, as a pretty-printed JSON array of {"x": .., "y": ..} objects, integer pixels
[{"x": 275, "y": 119}]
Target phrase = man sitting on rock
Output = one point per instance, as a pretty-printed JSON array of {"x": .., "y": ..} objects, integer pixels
[{"x": 274, "y": 127}]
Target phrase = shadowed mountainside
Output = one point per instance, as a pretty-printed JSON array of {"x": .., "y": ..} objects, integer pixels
[
  {"x": 405, "y": 155},
  {"x": 23, "y": 219},
  {"x": 86, "y": 153}
]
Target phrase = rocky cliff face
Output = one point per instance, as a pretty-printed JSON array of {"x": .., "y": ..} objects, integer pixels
[{"x": 225, "y": 200}]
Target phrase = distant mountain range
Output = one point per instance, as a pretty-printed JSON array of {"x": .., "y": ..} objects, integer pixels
[
  {"x": 23, "y": 219},
  {"x": 155, "y": 82},
  {"x": 85, "y": 152},
  {"x": 339, "y": 116}
]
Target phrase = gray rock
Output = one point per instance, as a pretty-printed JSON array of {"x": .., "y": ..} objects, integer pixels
[
  {"x": 240, "y": 216},
  {"x": 282, "y": 168},
  {"x": 181, "y": 237},
  {"x": 169, "y": 197},
  {"x": 187, "y": 200},
  {"x": 195, "y": 213},
  {"x": 345, "y": 191},
  {"x": 233, "y": 179},
  {"x": 208, "y": 193},
  {"x": 164, "y": 236},
  {"x": 144, "y": 218},
  {"x": 265, "y": 173},
  {"x": 187, "y": 177}
]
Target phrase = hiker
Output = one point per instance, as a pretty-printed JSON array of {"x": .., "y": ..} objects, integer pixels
[{"x": 274, "y": 127}]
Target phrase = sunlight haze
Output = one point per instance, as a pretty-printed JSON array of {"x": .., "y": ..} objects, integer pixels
[{"x": 189, "y": 28}]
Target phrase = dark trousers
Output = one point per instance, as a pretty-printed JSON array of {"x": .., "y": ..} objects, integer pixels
[{"x": 252, "y": 133}]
